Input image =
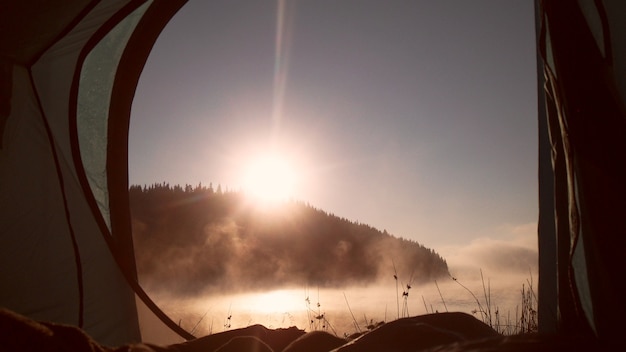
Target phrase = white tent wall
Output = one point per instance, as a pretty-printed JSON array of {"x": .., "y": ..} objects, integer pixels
[
  {"x": 153, "y": 329},
  {"x": 88, "y": 289},
  {"x": 59, "y": 259},
  {"x": 155, "y": 326},
  {"x": 37, "y": 266},
  {"x": 92, "y": 114}
]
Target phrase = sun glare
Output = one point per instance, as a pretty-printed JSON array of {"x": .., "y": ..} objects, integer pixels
[
  {"x": 269, "y": 178},
  {"x": 278, "y": 301}
]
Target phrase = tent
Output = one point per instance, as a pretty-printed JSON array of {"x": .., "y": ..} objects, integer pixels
[
  {"x": 67, "y": 78},
  {"x": 582, "y": 167}
]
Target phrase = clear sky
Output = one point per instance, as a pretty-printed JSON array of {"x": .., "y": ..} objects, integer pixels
[{"x": 418, "y": 117}]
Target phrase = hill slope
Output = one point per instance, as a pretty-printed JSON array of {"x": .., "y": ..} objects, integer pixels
[{"x": 193, "y": 240}]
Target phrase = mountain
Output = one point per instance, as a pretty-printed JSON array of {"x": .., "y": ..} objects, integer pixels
[{"x": 191, "y": 240}]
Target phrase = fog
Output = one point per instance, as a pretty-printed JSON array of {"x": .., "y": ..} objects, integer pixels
[
  {"x": 351, "y": 309},
  {"x": 217, "y": 244},
  {"x": 514, "y": 254},
  {"x": 306, "y": 268}
]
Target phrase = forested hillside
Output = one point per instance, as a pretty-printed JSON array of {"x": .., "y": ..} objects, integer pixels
[{"x": 190, "y": 240}]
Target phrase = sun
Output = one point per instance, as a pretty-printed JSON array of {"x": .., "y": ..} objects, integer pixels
[{"x": 269, "y": 178}]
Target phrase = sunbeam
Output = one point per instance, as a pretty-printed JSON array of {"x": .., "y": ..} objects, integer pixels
[{"x": 281, "y": 63}]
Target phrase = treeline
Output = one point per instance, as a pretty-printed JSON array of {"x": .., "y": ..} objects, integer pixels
[{"x": 191, "y": 240}]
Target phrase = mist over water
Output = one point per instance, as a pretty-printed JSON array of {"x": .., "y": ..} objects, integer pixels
[
  {"x": 214, "y": 264},
  {"x": 344, "y": 311}
]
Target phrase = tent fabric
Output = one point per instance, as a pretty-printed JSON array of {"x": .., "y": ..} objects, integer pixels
[
  {"x": 582, "y": 45},
  {"x": 94, "y": 96},
  {"x": 62, "y": 256}
]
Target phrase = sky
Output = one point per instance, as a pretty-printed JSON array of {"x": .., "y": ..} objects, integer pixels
[{"x": 415, "y": 117}]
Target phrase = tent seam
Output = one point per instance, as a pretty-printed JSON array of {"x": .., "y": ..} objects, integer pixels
[
  {"x": 109, "y": 238},
  {"x": 76, "y": 251},
  {"x": 65, "y": 31}
]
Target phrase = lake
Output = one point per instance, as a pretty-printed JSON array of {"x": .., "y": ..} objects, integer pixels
[{"x": 342, "y": 311}]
